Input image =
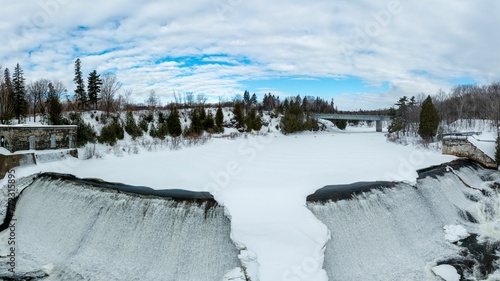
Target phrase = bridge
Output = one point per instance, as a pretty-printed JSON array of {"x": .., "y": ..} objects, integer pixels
[{"x": 377, "y": 118}]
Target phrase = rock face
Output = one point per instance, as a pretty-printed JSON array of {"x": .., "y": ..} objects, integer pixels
[{"x": 463, "y": 148}]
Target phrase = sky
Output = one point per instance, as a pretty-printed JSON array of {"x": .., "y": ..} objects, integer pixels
[{"x": 363, "y": 54}]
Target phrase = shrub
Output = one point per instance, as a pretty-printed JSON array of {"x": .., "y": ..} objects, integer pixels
[
  {"x": 293, "y": 120},
  {"x": 131, "y": 127},
  {"x": 111, "y": 133},
  {"x": 174, "y": 123},
  {"x": 85, "y": 132},
  {"x": 144, "y": 125}
]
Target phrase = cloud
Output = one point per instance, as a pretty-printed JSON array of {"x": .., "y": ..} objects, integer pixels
[{"x": 414, "y": 46}]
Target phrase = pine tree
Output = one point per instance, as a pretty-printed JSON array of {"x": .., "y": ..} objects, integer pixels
[
  {"x": 81, "y": 95},
  {"x": 7, "y": 105},
  {"x": 429, "y": 120},
  {"x": 239, "y": 116},
  {"x": 293, "y": 120},
  {"x": 131, "y": 126},
  {"x": 208, "y": 123},
  {"x": 257, "y": 123},
  {"x": 174, "y": 123},
  {"x": 219, "y": 120},
  {"x": 246, "y": 97},
  {"x": 253, "y": 99},
  {"x": 94, "y": 87},
  {"x": 54, "y": 107},
  {"x": 196, "y": 127},
  {"x": 19, "y": 93}
]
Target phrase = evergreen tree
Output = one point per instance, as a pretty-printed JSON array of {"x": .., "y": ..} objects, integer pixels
[
  {"x": 196, "y": 127},
  {"x": 94, "y": 87},
  {"x": 19, "y": 93},
  {"x": 246, "y": 97},
  {"x": 429, "y": 120},
  {"x": 144, "y": 124},
  {"x": 253, "y": 99},
  {"x": 203, "y": 114},
  {"x": 239, "y": 115},
  {"x": 85, "y": 132},
  {"x": 293, "y": 120},
  {"x": 112, "y": 132},
  {"x": 81, "y": 95},
  {"x": 257, "y": 123},
  {"x": 162, "y": 131},
  {"x": 7, "y": 105},
  {"x": 153, "y": 130},
  {"x": 54, "y": 107},
  {"x": 174, "y": 123},
  {"x": 131, "y": 126},
  {"x": 219, "y": 120},
  {"x": 208, "y": 123}
]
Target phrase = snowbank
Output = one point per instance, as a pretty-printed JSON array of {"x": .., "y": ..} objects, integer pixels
[
  {"x": 455, "y": 233},
  {"x": 447, "y": 272}
]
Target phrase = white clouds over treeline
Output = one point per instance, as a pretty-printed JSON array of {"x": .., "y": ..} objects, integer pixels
[{"x": 416, "y": 46}]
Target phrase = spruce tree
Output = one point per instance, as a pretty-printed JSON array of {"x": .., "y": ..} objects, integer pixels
[
  {"x": 239, "y": 116},
  {"x": 253, "y": 99},
  {"x": 54, "y": 105},
  {"x": 429, "y": 120},
  {"x": 19, "y": 93},
  {"x": 257, "y": 123},
  {"x": 246, "y": 97},
  {"x": 131, "y": 126},
  {"x": 293, "y": 120},
  {"x": 8, "y": 108},
  {"x": 208, "y": 123},
  {"x": 174, "y": 123},
  {"x": 81, "y": 95},
  {"x": 219, "y": 120},
  {"x": 196, "y": 127},
  {"x": 94, "y": 87}
]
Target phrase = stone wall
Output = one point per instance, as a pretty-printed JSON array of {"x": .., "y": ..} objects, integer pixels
[
  {"x": 463, "y": 148},
  {"x": 8, "y": 162},
  {"x": 18, "y": 137}
]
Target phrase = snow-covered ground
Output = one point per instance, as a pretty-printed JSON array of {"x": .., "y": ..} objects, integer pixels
[{"x": 263, "y": 182}]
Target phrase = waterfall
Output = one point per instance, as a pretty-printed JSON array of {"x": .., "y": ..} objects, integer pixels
[
  {"x": 396, "y": 233},
  {"x": 86, "y": 231}
]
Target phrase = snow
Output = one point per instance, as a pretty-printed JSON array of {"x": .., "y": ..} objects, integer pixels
[
  {"x": 48, "y": 268},
  {"x": 455, "y": 233},
  {"x": 234, "y": 275},
  {"x": 447, "y": 272},
  {"x": 485, "y": 142},
  {"x": 4, "y": 151},
  {"x": 263, "y": 182}
]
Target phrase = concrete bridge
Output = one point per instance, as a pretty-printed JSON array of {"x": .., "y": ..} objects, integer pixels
[{"x": 377, "y": 118}]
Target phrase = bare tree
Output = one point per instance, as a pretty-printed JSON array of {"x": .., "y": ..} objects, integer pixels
[
  {"x": 38, "y": 92},
  {"x": 494, "y": 95},
  {"x": 176, "y": 98},
  {"x": 153, "y": 101},
  {"x": 201, "y": 99},
  {"x": 189, "y": 98},
  {"x": 127, "y": 99},
  {"x": 59, "y": 88},
  {"x": 110, "y": 85}
]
